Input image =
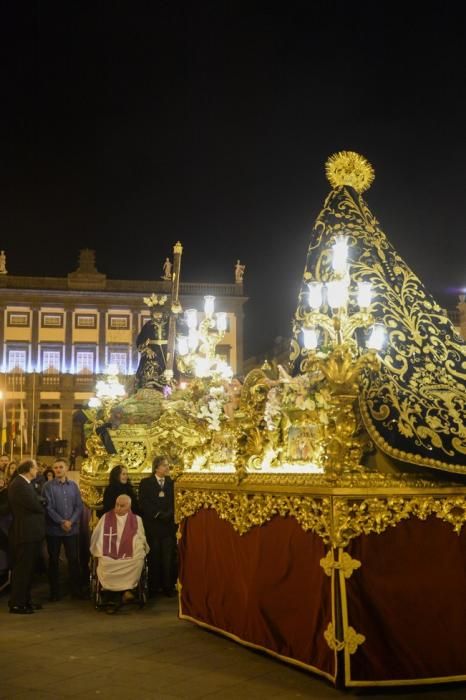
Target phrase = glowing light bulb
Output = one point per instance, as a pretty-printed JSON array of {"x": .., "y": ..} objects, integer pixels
[
  {"x": 337, "y": 293},
  {"x": 315, "y": 295},
  {"x": 310, "y": 338},
  {"x": 191, "y": 318},
  {"x": 340, "y": 255},
  {"x": 364, "y": 295},
  {"x": 193, "y": 340},
  {"x": 209, "y": 305},
  {"x": 221, "y": 321},
  {"x": 377, "y": 338},
  {"x": 183, "y": 347}
]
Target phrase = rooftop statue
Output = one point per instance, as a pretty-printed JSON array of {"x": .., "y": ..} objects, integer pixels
[
  {"x": 239, "y": 272},
  {"x": 167, "y": 269},
  {"x": 3, "y": 270}
]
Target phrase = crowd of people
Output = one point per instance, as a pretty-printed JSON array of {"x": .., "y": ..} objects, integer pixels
[{"x": 42, "y": 515}]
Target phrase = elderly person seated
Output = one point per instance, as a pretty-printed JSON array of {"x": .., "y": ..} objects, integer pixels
[{"x": 119, "y": 544}]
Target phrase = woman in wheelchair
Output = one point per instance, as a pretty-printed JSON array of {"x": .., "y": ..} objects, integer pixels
[{"x": 119, "y": 548}]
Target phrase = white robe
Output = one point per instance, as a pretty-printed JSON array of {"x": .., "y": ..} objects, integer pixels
[{"x": 119, "y": 574}]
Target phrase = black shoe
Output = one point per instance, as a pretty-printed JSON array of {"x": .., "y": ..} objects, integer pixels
[
  {"x": 34, "y": 606},
  {"x": 21, "y": 610},
  {"x": 54, "y": 597}
]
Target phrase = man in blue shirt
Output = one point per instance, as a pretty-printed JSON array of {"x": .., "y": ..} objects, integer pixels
[{"x": 63, "y": 506}]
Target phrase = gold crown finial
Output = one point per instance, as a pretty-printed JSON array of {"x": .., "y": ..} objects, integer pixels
[{"x": 349, "y": 168}]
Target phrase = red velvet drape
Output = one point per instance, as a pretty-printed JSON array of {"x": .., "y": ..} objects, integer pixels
[
  {"x": 409, "y": 600},
  {"x": 266, "y": 587}
]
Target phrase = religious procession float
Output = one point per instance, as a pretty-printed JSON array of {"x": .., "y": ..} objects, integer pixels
[{"x": 321, "y": 506}]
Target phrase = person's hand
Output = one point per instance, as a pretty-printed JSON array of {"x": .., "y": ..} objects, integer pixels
[{"x": 66, "y": 525}]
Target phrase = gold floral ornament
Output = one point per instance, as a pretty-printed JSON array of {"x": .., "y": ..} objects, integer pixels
[
  {"x": 155, "y": 300},
  {"x": 346, "y": 564},
  {"x": 351, "y": 642},
  {"x": 349, "y": 168}
]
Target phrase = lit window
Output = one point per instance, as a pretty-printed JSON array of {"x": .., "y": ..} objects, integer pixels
[
  {"x": 52, "y": 320},
  {"x": 120, "y": 359},
  {"x": 84, "y": 362},
  {"x": 15, "y": 319},
  {"x": 119, "y": 322},
  {"x": 16, "y": 360},
  {"x": 86, "y": 321},
  {"x": 51, "y": 361}
]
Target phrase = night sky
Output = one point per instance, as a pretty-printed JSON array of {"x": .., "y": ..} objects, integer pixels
[{"x": 125, "y": 127}]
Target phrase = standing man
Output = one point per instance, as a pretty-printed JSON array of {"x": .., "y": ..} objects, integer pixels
[
  {"x": 28, "y": 533},
  {"x": 63, "y": 506},
  {"x": 157, "y": 503}
]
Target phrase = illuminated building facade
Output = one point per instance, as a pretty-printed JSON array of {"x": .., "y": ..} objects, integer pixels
[{"x": 58, "y": 333}]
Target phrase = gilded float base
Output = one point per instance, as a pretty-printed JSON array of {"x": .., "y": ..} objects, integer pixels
[{"x": 377, "y": 541}]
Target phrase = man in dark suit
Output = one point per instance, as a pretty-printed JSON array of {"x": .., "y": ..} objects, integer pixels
[
  {"x": 157, "y": 503},
  {"x": 28, "y": 533}
]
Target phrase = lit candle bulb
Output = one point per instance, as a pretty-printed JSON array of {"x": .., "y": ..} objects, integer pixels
[
  {"x": 364, "y": 295},
  {"x": 193, "y": 340},
  {"x": 340, "y": 255},
  {"x": 377, "y": 338},
  {"x": 310, "y": 338},
  {"x": 191, "y": 318},
  {"x": 209, "y": 305},
  {"x": 315, "y": 295},
  {"x": 183, "y": 348},
  {"x": 221, "y": 321},
  {"x": 337, "y": 293}
]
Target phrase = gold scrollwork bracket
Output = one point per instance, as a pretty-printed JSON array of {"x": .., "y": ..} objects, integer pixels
[
  {"x": 351, "y": 641},
  {"x": 346, "y": 564}
]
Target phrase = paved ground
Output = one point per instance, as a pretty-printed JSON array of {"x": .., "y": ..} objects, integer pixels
[{"x": 69, "y": 650}]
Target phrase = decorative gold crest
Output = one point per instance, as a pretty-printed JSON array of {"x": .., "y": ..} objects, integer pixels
[
  {"x": 349, "y": 168},
  {"x": 155, "y": 300}
]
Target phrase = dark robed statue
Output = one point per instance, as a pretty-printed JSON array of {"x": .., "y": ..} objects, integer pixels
[
  {"x": 152, "y": 346},
  {"x": 414, "y": 408}
]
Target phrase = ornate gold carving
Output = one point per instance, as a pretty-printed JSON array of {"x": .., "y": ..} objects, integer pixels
[
  {"x": 353, "y": 518},
  {"x": 155, "y": 300},
  {"x": 346, "y": 564},
  {"x": 244, "y": 511},
  {"x": 349, "y": 168},
  {"x": 336, "y": 519},
  {"x": 351, "y": 642}
]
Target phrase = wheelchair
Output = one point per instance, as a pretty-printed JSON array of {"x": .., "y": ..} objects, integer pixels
[{"x": 98, "y": 594}]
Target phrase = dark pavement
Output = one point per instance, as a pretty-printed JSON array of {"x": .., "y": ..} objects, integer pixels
[{"x": 70, "y": 650}]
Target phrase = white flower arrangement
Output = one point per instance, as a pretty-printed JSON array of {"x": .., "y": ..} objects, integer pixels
[{"x": 210, "y": 407}]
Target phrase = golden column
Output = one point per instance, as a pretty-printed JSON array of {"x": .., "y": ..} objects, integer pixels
[{"x": 175, "y": 308}]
